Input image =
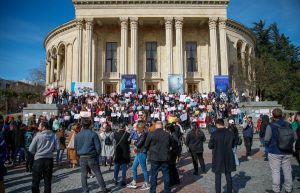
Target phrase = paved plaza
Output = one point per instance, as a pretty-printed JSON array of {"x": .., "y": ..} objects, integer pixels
[{"x": 252, "y": 176}]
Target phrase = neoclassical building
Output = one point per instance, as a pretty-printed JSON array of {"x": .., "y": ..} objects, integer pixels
[{"x": 152, "y": 39}]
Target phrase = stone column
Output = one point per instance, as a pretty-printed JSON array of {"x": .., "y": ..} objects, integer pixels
[
  {"x": 178, "y": 27},
  {"x": 213, "y": 51},
  {"x": 124, "y": 45},
  {"x": 223, "y": 46},
  {"x": 79, "y": 54},
  {"x": 47, "y": 72},
  {"x": 134, "y": 44},
  {"x": 88, "y": 69},
  {"x": 52, "y": 69},
  {"x": 169, "y": 43},
  {"x": 58, "y": 67}
]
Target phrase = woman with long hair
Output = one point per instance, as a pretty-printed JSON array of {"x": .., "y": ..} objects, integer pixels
[{"x": 194, "y": 141}]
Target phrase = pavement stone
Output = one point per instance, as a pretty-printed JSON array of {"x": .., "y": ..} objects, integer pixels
[{"x": 252, "y": 176}]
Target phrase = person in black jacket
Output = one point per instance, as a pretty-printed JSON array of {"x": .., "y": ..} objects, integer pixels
[
  {"x": 122, "y": 153},
  {"x": 194, "y": 141},
  {"x": 140, "y": 158},
  {"x": 159, "y": 143},
  {"x": 221, "y": 143},
  {"x": 176, "y": 150},
  {"x": 263, "y": 126}
]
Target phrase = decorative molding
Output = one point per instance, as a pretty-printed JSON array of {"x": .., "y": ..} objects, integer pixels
[
  {"x": 168, "y": 22},
  {"x": 89, "y": 23},
  {"x": 212, "y": 23},
  {"x": 222, "y": 23},
  {"x": 144, "y": 3},
  {"x": 178, "y": 22},
  {"x": 63, "y": 29},
  {"x": 233, "y": 25}
]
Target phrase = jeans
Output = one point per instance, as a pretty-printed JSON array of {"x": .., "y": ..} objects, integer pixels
[
  {"x": 140, "y": 159},
  {"x": 29, "y": 160},
  {"x": 235, "y": 156},
  {"x": 218, "y": 182},
  {"x": 248, "y": 145},
  {"x": 195, "y": 158},
  {"x": 262, "y": 142},
  {"x": 21, "y": 152},
  {"x": 117, "y": 169},
  {"x": 93, "y": 164},
  {"x": 164, "y": 166},
  {"x": 276, "y": 163},
  {"x": 42, "y": 168},
  {"x": 59, "y": 155}
]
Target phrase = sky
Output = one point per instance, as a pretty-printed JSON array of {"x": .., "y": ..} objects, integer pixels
[{"x": 25, "y": 24}]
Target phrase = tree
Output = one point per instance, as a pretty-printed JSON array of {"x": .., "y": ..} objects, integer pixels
[
  {"x": 38, "y": 74},
  {"x": 277, "y": 66}
]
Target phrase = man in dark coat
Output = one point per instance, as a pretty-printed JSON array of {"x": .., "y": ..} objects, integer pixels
[
  {"x": 221, "y": 143},
  {"x": 159, "y": 144},
  {"x": 122, "y": 153}
]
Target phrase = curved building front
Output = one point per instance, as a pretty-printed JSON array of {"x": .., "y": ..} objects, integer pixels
[{"x": 150, "y": 39}]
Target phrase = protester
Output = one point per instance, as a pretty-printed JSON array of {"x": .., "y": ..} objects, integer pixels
[
  {"x": 43, "y": 145},
  {"x": 248, "y": 135},
  {"x": 122, "y": 154},
  {"x": 3, "y": 154},
  {"x": 297, "y": 130},
  {"x": 279, "y": 139},
  {"x": 194, "y": 141},
  {"x": 221, "y": 143},
  {"x": 296, "y": 122},
  {"x": 28, "y": 137},
  {"x": 140, "y": 158},
  {"x": 158, "y": 144},
  {"x": 71, "y": 152},
  {"x": 61, "y": 140},
  {"x": 173, "y": 154},
  {"x": 107, "y": 145},
  {"x": 88, "y": 148},
  {"x": 264, "y": 124},
  {"x": 234, "y": 130}
]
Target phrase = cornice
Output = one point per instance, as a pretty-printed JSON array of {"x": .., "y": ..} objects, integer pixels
[
  {"x": 60, "y": 29},
  {"x": 87, "y": 4},
  {"x": 231, "y": 24}
]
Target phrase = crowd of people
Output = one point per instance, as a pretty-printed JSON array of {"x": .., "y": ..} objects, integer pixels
[{"x": 150, "y": 128}]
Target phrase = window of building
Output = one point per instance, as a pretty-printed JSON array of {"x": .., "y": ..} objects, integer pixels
[
  {"x": 111, "y": 57},
  {"x": 191, "y": 56},
  {"x": 151, "y": 56}
]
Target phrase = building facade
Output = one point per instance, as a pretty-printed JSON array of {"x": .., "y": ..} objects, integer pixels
[{"x": 151, "y": 39}]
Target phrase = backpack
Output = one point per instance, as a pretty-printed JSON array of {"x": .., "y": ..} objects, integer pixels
[
  {"x": 108, "y": 140},
  {"x": 285, "y": 137}
]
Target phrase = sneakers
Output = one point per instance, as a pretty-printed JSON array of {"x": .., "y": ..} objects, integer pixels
[
  {"x": 132, "y": 185},
  {"x": 145, "y": 187},
  {"x": 249, "y": 158}
]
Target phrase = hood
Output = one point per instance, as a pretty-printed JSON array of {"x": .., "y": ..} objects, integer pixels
[{"x": 47, "y": 134}]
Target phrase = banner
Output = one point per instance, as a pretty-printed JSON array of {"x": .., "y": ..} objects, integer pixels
[
  {"x": 221, "y": 83},
  {"x": 176, "y": 83},
  {"x": 81, "y": 88},
  {"x": 128, "y": 83},
  {"x": 72, "y": 89}
]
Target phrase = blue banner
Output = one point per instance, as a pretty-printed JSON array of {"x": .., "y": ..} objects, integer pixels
[
  {"x": 128, "y": 83},
  {"x": 72, "y": 87},
  {"x": 221, "y": 83},
  {"x": 176, "y": 83}
]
